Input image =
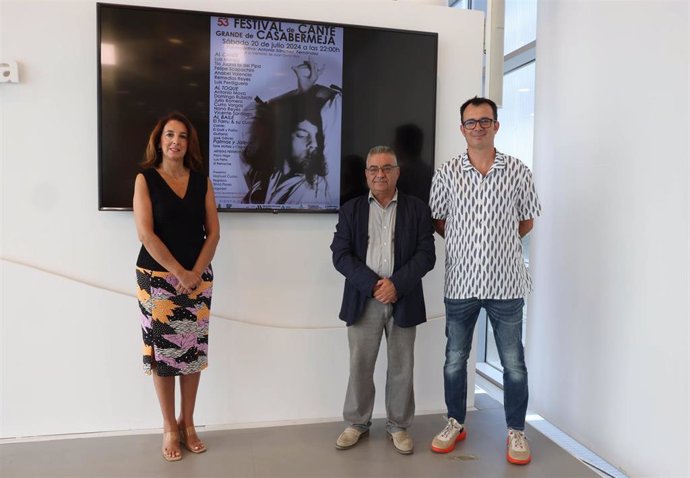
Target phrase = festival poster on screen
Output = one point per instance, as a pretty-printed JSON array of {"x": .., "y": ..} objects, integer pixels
[{"x": 275, "y": 114}]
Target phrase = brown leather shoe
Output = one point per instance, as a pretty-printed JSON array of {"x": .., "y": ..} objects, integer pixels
[
  {"x": 402, "y": 441},
  {"x": 349, "y": 438}
]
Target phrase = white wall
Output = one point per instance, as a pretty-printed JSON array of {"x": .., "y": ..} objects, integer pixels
[
  {"x": 608, "y": 335},
  {"x": 69, "y": 329}
]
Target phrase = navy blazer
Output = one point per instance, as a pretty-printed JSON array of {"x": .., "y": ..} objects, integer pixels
[{"x": 414, "y": 256}]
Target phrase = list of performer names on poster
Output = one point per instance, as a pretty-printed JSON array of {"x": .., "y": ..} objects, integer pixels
[{"x": 229, "y": 98}]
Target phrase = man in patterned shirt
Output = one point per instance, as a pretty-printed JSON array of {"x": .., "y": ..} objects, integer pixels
[{"x": 483, "y": 203}]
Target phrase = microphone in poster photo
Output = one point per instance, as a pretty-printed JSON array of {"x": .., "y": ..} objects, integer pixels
[{"x": 291, "y": 141}]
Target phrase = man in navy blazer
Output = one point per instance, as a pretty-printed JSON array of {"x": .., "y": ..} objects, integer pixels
[{"x": 383, "y": 245}]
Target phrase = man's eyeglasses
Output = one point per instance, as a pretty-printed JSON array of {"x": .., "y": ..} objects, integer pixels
[
  {"x": 384, "y": 169},
  {"x": 483, "y": 122}
]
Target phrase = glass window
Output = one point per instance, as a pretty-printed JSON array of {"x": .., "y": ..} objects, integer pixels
[
  {"x": 458, "y": 3},
  {"x": 468, "y": 4},
  {"x": 516, "y": 117},
  {"x": 520, "y": 24},
  {"x": 478, "y": 5}
]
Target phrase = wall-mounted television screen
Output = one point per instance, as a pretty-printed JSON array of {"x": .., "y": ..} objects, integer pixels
[{"x": 286, "y": 109}]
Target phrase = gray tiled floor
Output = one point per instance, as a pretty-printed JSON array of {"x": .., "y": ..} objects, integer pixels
[{"x": 297, "y": 451}]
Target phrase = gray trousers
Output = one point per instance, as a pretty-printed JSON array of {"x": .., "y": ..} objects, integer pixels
[{"x": 364, "y": 338}]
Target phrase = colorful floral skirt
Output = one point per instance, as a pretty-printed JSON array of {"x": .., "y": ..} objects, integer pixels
[{"x": 174, "y": 326}]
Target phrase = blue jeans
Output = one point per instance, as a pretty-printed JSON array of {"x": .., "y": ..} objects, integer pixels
[{"x": 506, "y": 320}]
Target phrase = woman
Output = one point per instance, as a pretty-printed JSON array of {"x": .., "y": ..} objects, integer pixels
[{"x": 177, "y": 224}]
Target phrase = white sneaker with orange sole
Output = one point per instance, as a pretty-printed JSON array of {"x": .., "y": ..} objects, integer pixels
[
  {"x": 518, "y": 449},
  {"x": 445, "y": 441}
]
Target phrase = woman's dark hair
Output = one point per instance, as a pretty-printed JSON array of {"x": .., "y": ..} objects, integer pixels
[{"x": 153, "y": 155}]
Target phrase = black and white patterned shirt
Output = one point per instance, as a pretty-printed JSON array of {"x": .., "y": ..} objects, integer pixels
[{"x": 483, "y": 247}]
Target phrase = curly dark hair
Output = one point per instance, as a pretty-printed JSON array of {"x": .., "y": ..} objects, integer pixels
[{"x": 270, "y": 135}]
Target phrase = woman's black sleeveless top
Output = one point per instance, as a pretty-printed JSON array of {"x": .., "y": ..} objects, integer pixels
[{"x": 178, "y": 222}]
